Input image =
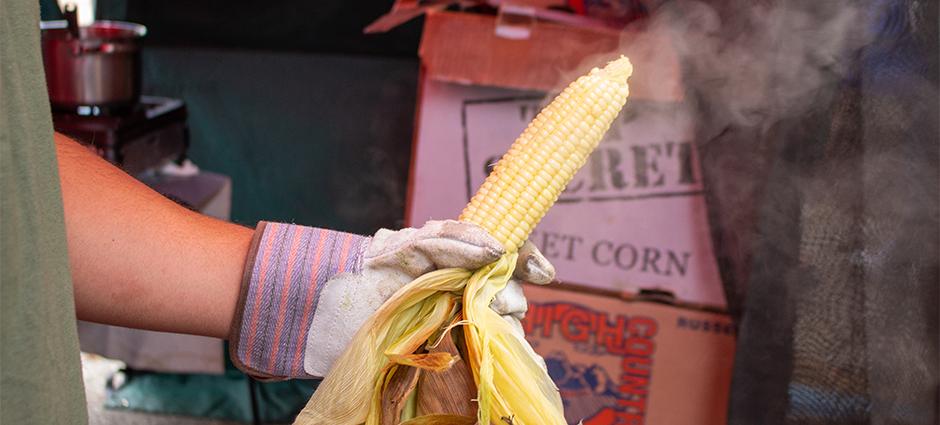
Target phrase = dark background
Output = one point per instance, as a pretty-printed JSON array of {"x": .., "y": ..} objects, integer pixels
[{"x": 311, "y": 118}]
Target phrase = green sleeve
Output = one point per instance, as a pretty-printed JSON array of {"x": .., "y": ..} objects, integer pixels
[{"x": 40, "y": 368}]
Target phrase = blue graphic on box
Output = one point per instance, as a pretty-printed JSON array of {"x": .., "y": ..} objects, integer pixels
[{"x": 589, "y": 392}]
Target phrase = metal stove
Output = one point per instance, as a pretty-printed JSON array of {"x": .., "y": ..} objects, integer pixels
[{"x": 142, "y": 137}]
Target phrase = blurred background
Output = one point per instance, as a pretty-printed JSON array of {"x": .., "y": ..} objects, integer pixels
[
  {"x": 755, "y": 241},
  {"x": 304, "y": 119},
  {"x": 300, "y": 75}
]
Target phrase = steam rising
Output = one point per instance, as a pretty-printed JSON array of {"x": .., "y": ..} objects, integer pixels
[
  {"x": 760, "y": 61},
  {"x": 843, "y": 232}
]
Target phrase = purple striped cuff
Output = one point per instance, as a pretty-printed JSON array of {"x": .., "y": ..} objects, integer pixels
[{"x": 286, "y": 269}]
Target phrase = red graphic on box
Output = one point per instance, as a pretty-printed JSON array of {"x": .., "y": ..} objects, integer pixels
[{"x": 588, "y": 389}]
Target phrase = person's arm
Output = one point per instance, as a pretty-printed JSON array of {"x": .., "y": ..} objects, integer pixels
[
  {"x": 142, "y": 261},
  {"x": 288, "y": 297}
]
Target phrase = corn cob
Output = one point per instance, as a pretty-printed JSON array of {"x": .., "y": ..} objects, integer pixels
[
  {"x": 533, "y": 173},
  {"x": 512, "y": 386}
]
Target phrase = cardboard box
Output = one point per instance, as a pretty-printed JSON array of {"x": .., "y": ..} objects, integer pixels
[
  {"x": 620, "y": 362},
  {"x": 634, "y": 218}
]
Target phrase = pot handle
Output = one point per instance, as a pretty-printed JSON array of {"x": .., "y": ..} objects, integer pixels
[{"x": 71, "y": 17}]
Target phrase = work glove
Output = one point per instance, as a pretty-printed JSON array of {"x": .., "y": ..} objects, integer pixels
[{"x": 306, "y": 291}]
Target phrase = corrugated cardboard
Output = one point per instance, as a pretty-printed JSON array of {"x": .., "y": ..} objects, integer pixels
[
  {"x": 465, "y": 48},
  {"x": 634, "y": 219},
  {"x": 619, "y": 362}
]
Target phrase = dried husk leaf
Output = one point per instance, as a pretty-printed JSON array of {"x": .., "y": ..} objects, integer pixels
[
  {"x": 401, "y": 326},
  {"x": 401, "y": 383},
  {"x": 511, "y": 384}
]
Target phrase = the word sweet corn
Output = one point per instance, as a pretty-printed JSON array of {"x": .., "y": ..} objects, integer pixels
[{"x": 512, "y": 386}]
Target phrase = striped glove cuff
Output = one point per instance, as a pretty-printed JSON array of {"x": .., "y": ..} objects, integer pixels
[{"x": 287, "y": 268}]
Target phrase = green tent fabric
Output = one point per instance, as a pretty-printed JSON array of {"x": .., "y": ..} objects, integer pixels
[{"x": 224, "y": 397}]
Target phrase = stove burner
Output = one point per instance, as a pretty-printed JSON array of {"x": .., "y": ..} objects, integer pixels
[
  {"x": 95, "y": 110},
  {"x": 137, "y": 138}
]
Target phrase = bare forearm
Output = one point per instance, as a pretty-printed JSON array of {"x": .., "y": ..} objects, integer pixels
[{"x": 140, "y": 260}]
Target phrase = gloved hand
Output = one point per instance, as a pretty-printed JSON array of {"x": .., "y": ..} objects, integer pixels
[
  {"x": 307, "y": 291},
  {"x": 531, "y": 267}
]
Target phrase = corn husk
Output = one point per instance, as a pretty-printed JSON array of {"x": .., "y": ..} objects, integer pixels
[{"x": 351, "y": 393}]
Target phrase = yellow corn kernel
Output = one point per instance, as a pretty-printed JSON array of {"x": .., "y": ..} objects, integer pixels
[{"x": 548, "y": 154}]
